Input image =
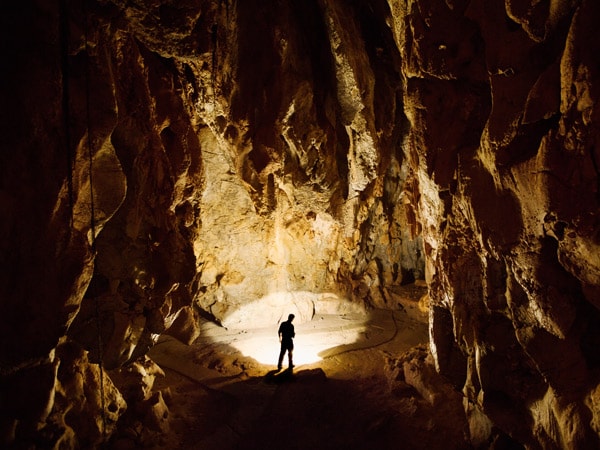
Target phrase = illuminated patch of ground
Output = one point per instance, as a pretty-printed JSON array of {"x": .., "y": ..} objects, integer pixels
[
  {"x": 227, "y": 394},
  {"x": 312, "y": 338}
]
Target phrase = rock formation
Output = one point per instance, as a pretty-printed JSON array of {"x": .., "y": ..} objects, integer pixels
[
  {"x": 503, "y": 145},
  {"x": 163, "y": 158}
]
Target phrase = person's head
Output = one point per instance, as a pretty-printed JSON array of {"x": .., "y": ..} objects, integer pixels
[{"x": 291, "y": 317}]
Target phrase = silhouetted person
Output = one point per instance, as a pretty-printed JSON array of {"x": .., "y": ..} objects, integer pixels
[{"x": 286, "y": 337}]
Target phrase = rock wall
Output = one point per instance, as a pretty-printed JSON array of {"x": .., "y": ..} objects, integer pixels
[
  {"x": 502, "y": 103},
  {"x": 162, "y": 157},
  {"x": 245, "y": 158}
]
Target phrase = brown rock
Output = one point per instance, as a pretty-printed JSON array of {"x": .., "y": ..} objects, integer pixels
[{"x": 185, "y": 327}]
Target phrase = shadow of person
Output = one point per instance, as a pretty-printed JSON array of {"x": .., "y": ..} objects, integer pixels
[{"x": 278, "y": 377}]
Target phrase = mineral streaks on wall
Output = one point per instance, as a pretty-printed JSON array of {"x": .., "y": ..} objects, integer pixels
[{"x": 503, "y": 145}]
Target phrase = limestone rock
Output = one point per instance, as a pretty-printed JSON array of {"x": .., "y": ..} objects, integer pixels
[
  {"x": 413, "y": 375},
  {"x": 87, "y": 404},
  {"x": 513, "y": 192},
  {"x": 185, "y": 326},
  {"x": 148, "y": 414}
]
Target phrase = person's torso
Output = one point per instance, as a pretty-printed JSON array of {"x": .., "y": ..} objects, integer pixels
[{"x": 287, "y": 330}]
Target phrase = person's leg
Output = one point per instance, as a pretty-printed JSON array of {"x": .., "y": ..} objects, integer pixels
[
  {"x": 281, "y": 353},
  {"x": 290, "y": 356}
]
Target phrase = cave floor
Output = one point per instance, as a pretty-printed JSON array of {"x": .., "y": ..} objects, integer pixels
[{"x": 221, "y": 398}]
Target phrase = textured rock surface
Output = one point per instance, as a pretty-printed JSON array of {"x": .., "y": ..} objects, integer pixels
[
  {"x": 503, "y": 145},
  {"x": 161, "y": 156}
]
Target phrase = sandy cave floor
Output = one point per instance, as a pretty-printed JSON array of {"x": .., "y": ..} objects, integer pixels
[{"x": 222, "y": 398}]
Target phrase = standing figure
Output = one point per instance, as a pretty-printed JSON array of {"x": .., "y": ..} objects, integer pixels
[{"x": 286, "y": 337}]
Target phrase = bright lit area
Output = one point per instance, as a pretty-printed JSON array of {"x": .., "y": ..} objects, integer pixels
[
  {"x": 319, "y": 342},
  {"x": 313, "y": 339},
  {"x": 227, "y": 381}
]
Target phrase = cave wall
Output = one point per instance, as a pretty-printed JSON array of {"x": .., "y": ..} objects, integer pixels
[
  {"x": 300, "y": 130},
  {"x": 503, "y": 145},
  {"x": 161, "y": 157},
  {"x": 156, "y": 162}
]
